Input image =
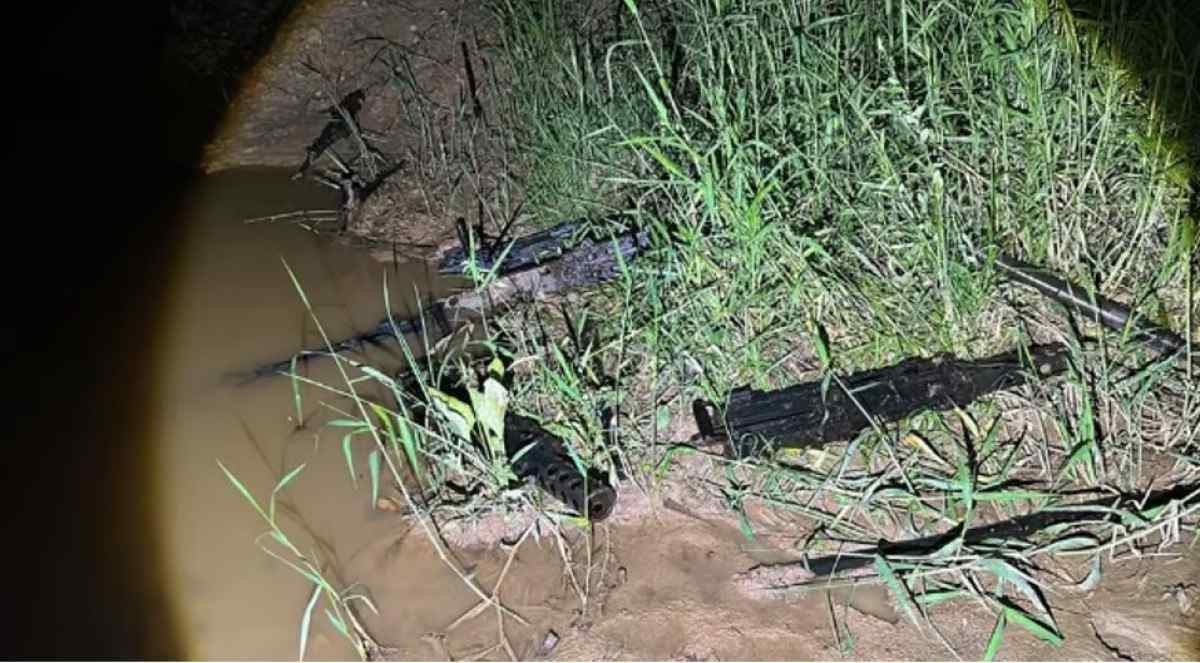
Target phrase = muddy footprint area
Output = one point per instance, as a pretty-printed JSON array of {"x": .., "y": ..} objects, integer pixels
[{"x": 659, "y": 579}]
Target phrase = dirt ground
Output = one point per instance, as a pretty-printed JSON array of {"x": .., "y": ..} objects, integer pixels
[
  {"x": 409, "y": 57},
  {"x": 662, "y": 584}
]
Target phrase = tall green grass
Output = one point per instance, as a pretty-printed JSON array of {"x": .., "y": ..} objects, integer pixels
[{"x": 819, "y": 176}]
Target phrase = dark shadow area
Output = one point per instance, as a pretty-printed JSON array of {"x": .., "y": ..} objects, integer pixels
[
  {"x": 106, "y": 117},
  {"x": 1158, "y": 41}
]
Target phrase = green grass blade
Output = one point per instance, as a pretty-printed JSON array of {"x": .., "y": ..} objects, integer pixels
[
  {"x": 306, "y": 620},
  {"x": 373, "y": 465},
  {"x": 348, "y": 453},
  {"x": 338, "y": 623},
  {"x": 993, "y": 645},
  {"x": 408, "y": 439},
  {"x": 1038, "y": 629},
  {"x": 296, "y": 399},
  {"x": 898, "y": 589},
  {"x": 244, "y": 491},
  {"x": 280, "y": 486},
  {"x": 933, "y": 598}
]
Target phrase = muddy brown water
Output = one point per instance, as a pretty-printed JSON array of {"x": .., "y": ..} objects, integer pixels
[{"x": 232, "y": 306}]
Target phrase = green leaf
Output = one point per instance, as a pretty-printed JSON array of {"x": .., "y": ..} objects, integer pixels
[
  {"x": 669, "y": 455},
  {"x": 1187, "y": 235},
  {"x": 662, "y": 417},
  {"x": 993, "y": 645},
  {"x": 296, "y": 393},
  {"x": 898, "y": 588},
  {"x": 646, "y": 144},
  {"x": 965, "y": 480},
  {"x": 338, "y": 623},
  {"x": 820, "y": 340},
  {"x": 490, "y": 407},
  {"x": 307, "y": 574},
  {"x": 409, "y": 440},
  {"x": 496, "y": 368},
  {"x": 1008, "y": 572},
  {"x": 988, "y": 445},
  {"x": 1038, "y": 629},
  {"x": 940, "y": 596},
  {"x": 579, "y": 521},
  {"x": 659, "y": 107},
  {"x": 458, "y": 415},
  {"x": 243, "y": 490},
  {"x": 280, "y": 486},
  {"x": 744, "y": 525},
  {"x": 373, "y": 464},
  {"x": 349, "y": 454},
  {"x": 378, "y": 376},
  {"x": 296, "y": 283},
  {"x": 306, "y": 619}
]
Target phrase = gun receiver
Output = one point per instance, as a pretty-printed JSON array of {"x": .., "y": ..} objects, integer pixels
[{"x": 812, "y": 414}]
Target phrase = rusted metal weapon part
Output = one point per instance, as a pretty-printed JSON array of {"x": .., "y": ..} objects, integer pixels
[
  {"x": 387, "y": 329},
  {"x": 538, "y": 454},
  {"x": 535, "y": 249},
  {"x": 336, "y": 130},
  {"x": 1106, "y": 510},
  {"x": 1108, "y": 312},
  {"x": 551, "y": 268},
  {"x": 815, "y": 413}
]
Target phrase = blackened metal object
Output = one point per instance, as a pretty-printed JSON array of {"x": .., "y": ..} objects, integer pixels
[
  {"x": 534, "y": 249},
  {"x": 815, "y": 413},
  {"x": 335, "y": 130},
  {"x": 1104, "y": 510},
  {"x": 543, "y": 456},
  {"x": 564, "y": 265},
  {"x": 1108, "y": 312},
  {"x": 388, "y": 328}
]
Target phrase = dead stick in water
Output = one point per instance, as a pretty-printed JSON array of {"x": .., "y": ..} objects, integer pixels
[{"x": 317, "y": 215}]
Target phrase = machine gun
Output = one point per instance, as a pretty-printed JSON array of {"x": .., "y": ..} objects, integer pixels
[
  {"x": 561, "y": 258},
  {"x": 813, "y": 414}
]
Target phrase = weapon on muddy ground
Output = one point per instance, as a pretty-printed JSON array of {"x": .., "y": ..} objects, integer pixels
[
  {"x": 562, "y": 258},
  {"x": 540, "y": 455},
  {"x": 1114, "y": 509},
  {"x": 339, "y": 127},
  {"x": 539, "y": 248},
  {"x": 1108, "y": 312},
  {"x": 815, "y": 413},
  {"x": 387, "y": 328}
]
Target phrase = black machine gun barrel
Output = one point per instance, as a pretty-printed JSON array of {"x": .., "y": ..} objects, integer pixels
[{"x": 1108, "y": 312}]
